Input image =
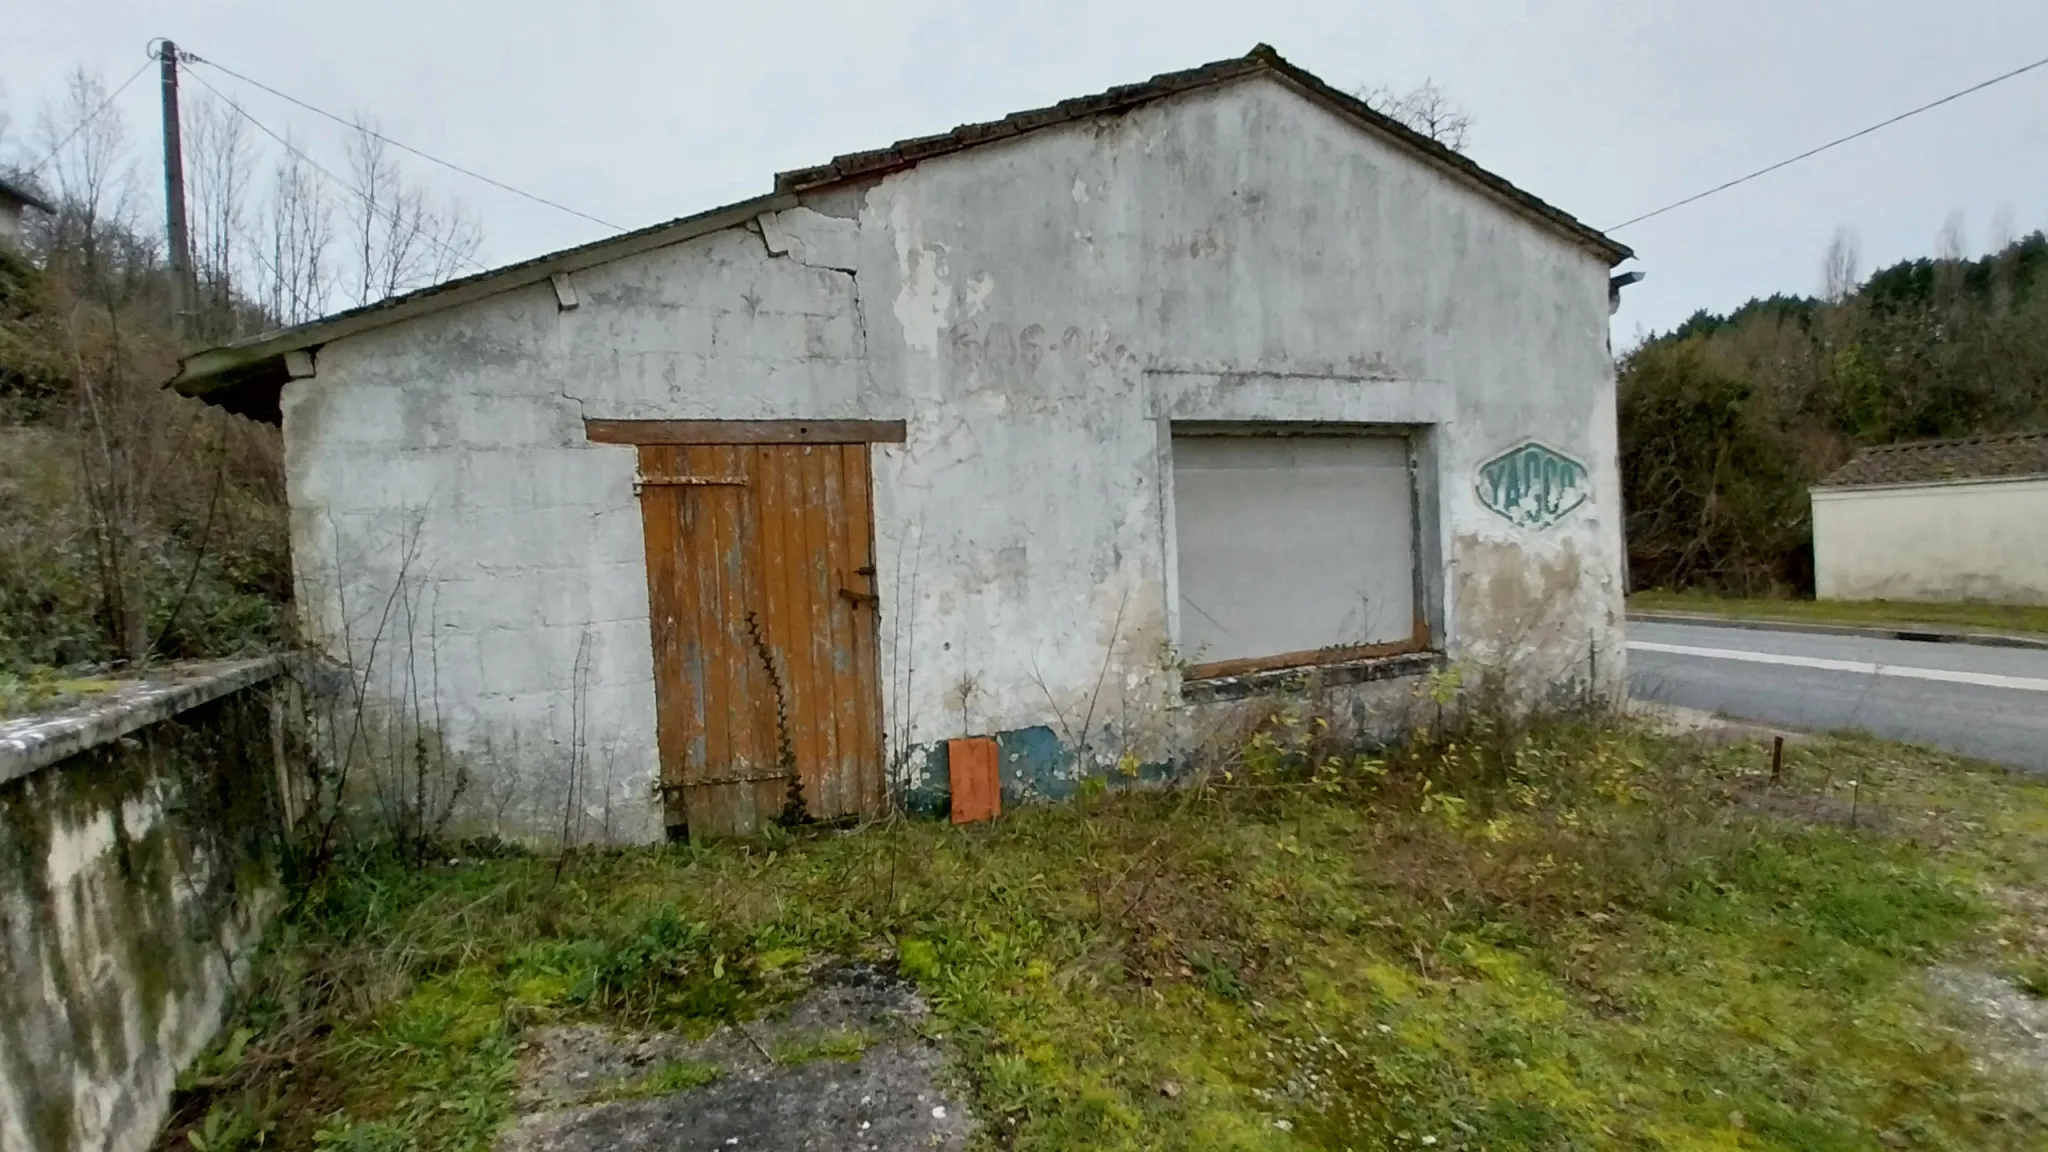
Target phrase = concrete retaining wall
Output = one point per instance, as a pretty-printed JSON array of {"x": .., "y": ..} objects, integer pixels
[{"x": 137, "y": 865}]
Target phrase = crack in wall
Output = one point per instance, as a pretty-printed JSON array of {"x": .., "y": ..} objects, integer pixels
[{"x": 783, "y": 242}]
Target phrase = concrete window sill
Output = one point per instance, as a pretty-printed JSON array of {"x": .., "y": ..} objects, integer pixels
[{"x": 1280, "y": 681}]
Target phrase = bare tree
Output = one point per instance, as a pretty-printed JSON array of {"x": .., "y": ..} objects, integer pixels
[
  {"x": 2002, "y": 231},
  {"x": 1949, "y": 246},
  {"x": 1425, "y": 108},
  {"x": 297, "y": 272},
  {"x": 218, "y": 159},
  {"x": 400, "y": 236},
  {"x": 1840, "y": 270},
  {"x": 1953, "y": 239},
  {"x": 7, "y": 143},
  {"x": 102, "y": 276},
  {"x": 90, "y": 172}
]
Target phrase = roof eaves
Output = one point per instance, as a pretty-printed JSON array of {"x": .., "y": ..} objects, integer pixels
[
  {"x": 256, "y": 361},
  {"x": 1827, "y": 485},
  {"x": 1262, "y": 59},
  {"x": 1969, "y": 459},
  {"x": 908, "y": 153},
  {"x": 21, "y": 193}
]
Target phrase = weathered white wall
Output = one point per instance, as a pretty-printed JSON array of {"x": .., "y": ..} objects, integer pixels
[
  {"x": 1286, "y": 267},
  {"x": 460, "y": 542},
  {"x": 1040, "y": 312},
  {"x": 1939, "y": 542}
]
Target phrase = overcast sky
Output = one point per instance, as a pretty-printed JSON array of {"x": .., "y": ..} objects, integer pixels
[{"x": 638, "y": 111}]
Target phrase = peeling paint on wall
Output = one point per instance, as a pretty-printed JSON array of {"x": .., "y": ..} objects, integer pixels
[
  {"x": 1041, "y": 312},
  {"x": 1034, "y": 765}
]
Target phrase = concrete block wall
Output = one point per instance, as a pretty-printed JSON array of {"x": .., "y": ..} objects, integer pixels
[
  {"x": 1040, "y": 312},
  {"x": 460, "y": 543}
]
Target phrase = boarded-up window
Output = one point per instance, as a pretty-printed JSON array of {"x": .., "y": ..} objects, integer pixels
[{"x": 1292, "y": 548}]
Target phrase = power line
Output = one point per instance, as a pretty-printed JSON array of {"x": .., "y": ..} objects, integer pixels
[
  {"x": 355, "y": 126},
  {"x": 89, "y": 118},
  {"x": 1836, "y": 143},
  {"x": 368, "y": 201}
]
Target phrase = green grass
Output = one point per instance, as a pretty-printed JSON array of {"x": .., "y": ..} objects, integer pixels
[
  {"x": 1978, "y": 617},
  {"x": 1589, "y": 939},
  {"x": 673, "y": 1076},
  {"x": 47, "y": 690},
  {"x": 844, "y": 1045}
]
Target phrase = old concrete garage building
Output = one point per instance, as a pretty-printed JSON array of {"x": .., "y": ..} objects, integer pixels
[
  {"x": 1938, "y": 520},
  {"x": 1080, "y": 430}
]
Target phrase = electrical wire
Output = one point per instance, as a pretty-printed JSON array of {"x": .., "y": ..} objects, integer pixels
[
  {"x": 368, "y": 201},
  {"x": 89, "y": 118},
  {"x": 432, "y": 159},
  {"x": 1836, "y": 143}
]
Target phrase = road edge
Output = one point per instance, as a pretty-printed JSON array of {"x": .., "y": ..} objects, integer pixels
[{"x": 1930, "y": 635}]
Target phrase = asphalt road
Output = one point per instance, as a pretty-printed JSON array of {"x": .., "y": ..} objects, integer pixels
[{"x": 1990, "y": 703}]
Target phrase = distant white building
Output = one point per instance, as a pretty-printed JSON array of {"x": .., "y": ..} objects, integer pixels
[
  {"x": 14, "y": 200},
  {"x": 1938, "y": 520},
  {"x": 1077, "y": 431}
]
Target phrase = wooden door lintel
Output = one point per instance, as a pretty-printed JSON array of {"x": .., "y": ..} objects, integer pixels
[{"x": 682, "y": 432}]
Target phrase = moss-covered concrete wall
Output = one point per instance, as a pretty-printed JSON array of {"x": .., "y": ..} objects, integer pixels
[{"x": 134, "y": 875}]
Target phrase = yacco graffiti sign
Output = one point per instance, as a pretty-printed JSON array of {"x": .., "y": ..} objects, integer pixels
[{"x": 1533, "y": 485}]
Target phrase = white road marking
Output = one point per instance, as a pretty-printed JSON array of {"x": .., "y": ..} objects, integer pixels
[{"x": 1863, "y": 667}]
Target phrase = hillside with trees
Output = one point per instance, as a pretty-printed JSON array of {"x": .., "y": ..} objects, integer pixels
[
  {"x": 136, "y": 524},
  {"x": 1727, "y": 420}
]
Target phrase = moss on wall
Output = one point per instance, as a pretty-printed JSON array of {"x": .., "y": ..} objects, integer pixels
[{"x": 132, "y": 876}]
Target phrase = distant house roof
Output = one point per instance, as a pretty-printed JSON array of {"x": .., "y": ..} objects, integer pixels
[
  {"x": 246, "y": 377},
  {"x": 21, "y": 195},
  {"x": 2009, "y": 457}
]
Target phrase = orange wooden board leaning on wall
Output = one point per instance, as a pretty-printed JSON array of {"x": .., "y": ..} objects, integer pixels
[{"x": 977, "y": 787}]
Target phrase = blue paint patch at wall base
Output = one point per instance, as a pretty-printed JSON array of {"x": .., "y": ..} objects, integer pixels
[{"x": 1034, "y": 763}]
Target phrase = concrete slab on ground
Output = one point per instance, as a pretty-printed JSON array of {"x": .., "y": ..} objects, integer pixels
[{"x": 844, "y": 1067}]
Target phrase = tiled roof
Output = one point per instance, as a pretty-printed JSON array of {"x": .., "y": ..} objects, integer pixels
[
  {"x": 2004, "y": 457},
  {"x": 1262, "y": 58}
]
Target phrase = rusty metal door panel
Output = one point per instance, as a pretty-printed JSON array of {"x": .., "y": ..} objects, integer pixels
[{"x": 760, "y": 577}]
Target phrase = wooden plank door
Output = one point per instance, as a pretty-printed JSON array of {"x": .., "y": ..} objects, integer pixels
[{"x": 760, "y": 577}]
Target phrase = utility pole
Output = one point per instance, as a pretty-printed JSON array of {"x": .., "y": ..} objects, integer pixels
[{"x": 182, "y": 289}]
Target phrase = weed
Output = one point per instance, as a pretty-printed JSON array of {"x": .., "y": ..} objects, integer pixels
[
  {"x": 226, "y": 1129},
  {"x": 1605, "y": 943},
  {"x": 844, "y": 1045},
  {"x": 2032, "y": 978},
  {"x": 672, "y": 1077}
]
